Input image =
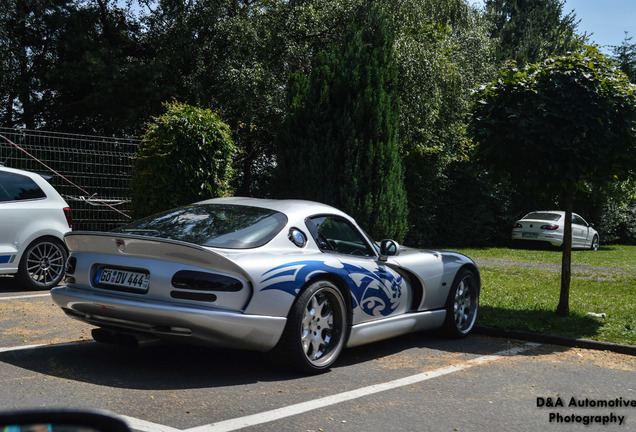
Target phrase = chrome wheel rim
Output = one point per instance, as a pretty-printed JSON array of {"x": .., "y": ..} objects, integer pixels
[
  {"x": 465, "y": 305},
  {"x": 322, "y": 326},
  {"x": 45, "y": 264}
]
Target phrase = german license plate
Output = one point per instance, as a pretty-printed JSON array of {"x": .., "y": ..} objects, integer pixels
[
  {"x": 125, "y": 279},
  {"x": 530, "y": 235}
]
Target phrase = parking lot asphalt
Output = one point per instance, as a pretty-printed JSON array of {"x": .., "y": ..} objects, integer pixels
[{"x": 417, "y": 382}]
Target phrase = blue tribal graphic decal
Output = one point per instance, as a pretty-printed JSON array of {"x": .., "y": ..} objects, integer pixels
[
  {"x": 378, "y": 291},
  {"x": 292, "y": 276}
]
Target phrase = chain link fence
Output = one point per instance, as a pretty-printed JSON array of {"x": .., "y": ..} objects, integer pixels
[{"x": 91, "y": 173}]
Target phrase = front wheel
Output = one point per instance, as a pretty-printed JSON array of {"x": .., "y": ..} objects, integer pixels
[
  {"x": 316, "y": 329},
  {"x": 594, "y": 245},
  {"x": 462, "y": 304},
  {"x": 42, "y": 264}
]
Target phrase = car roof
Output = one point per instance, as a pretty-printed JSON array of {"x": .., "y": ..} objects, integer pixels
[
  {"x": 290, "y": 207},
  {"x": 42, "y": 180},
  {"x": 556, "y": 212},
  {"x": 31, "y": 174}
]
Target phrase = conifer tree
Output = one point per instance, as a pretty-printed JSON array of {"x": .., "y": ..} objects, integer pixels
[{"x": 339, "y": 144}]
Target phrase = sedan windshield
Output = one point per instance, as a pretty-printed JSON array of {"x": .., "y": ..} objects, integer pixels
[{"x": 214, "y": 225}]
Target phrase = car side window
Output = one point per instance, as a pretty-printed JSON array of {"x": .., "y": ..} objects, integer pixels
[
  {"x": 578, "y": 220},
  {"x": 338, "y": 235},
  {"x": 16, "y": 187}
]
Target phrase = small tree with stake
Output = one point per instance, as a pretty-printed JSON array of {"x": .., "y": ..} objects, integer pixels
[{"x": 558, "y": 124}]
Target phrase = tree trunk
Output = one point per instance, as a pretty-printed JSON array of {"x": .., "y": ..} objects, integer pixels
[{"x": 563, "y": 308}]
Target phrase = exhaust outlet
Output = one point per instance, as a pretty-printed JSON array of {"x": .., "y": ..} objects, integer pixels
[
  {"x": 103, "y": 336},
  {"x": 136, "y": 340},
  {"x": 124, "y": 339}
]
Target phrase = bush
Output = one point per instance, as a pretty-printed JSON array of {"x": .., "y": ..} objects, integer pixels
[
  {"x": 617, "y": 221},
  {"x": 185, "y": 156}
]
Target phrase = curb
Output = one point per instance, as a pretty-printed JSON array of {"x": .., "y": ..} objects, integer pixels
[{"x": 556, "y": 340}]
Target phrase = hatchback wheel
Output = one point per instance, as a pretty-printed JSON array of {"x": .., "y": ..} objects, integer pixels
[{"x": 42, "y": 265}]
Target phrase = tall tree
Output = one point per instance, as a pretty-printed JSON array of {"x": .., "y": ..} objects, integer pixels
[
  {"x": 625, "y": 55},
  {"x": 103, "y": 77},
  {"x": 558, "y": 124},
  {"x": 530, "y": 31},
  {"x": 339, "y": 144},
  {"x": 236, "y": 56},
  {"x": 442, "y": 53},
  {"x": 29, "y": 30}
]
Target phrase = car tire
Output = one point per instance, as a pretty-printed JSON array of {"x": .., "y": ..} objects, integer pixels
[
  {"x": 42, "y": 264},
  {"x": 462, "y": 305},
  {"x": 594, "y": 244},
  {"x": 316, "y": 329}
]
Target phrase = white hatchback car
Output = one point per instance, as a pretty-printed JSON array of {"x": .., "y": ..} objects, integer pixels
[
  {"x": 548, "y": 227},
  {"x": 33, "y": 221}
]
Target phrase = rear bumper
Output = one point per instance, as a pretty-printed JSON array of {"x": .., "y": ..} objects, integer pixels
[
  {"x": 202, "y": 326},
  {"x": 552, "y": 238}
]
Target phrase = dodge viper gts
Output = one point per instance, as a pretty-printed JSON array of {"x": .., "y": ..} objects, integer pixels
[{"x": 298, "y": 279}]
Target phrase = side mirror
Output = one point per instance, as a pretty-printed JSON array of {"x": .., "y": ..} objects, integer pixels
[{"x": 388, "y": 248}]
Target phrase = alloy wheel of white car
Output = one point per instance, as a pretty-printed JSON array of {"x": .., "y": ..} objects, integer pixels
[
  {"x": 42, "y": 265},
  {"x": 594, "y": 245}
]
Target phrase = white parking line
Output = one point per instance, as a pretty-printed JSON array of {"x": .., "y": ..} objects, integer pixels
[
  {"x": 28, "y": 347},
  {"x": 268, "y": 416},
  {"x": 25, "y": 296},
  {"x": 146, "y": 426}
]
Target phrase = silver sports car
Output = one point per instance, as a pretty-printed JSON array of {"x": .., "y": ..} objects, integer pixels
[{"x": 296, "y": 278}]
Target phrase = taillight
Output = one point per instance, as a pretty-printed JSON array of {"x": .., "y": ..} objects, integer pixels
[
  {"x": 69, "y": 217},
  {"x": 195, "y": 280},
  {"x": 550, "y": 227}
]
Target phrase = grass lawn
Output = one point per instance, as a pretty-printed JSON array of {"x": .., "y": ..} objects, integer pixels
[{"x": 520, "y": 291}]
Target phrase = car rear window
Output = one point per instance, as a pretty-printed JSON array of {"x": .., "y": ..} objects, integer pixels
[
  {"x": 16, "y": 187},
  {"x": 214, "y": 225},
  {"x": 543, "y": 216}
]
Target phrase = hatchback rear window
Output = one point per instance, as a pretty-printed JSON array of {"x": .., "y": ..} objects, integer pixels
[
  {"x": 214, "y": 225},
  {"x": 543, "y": 216},
  {"x": 16, "y": 187}
]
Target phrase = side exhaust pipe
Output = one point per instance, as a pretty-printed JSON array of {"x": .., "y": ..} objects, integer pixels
[{"x": 125, "y": 339}]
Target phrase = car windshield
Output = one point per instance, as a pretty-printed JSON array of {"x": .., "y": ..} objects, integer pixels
[
  {"x": 214, "y": 225},
  {"x": 543, "y": 216}
]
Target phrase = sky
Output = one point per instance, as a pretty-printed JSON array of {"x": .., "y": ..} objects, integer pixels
[{"x": 605, "y": 20}]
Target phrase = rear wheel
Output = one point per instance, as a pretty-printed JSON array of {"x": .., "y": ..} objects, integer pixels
[
  {"x": 462, "y": 304},
  {"x": 315, "y": 333},
  {"x": 42, "y": 264}
]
